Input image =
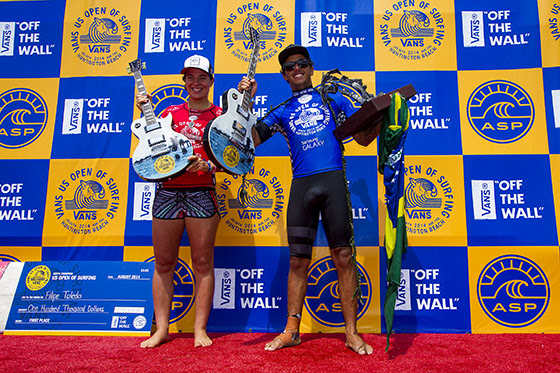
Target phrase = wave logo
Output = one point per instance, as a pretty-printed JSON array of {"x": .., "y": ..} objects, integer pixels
[
  {"x": 413, "y": 23},
  {"x": 83, "y": 206},
  {"x": 8, "y": 258},
  {"x": 415, "y": 34},
  {"x": 259, "y": 209},
  {"x": 88, "y": 195},
  {"x": 421, "y": 193},
  {"x": 167, "y": 95},
  {"x": 23, "y": 117},
  {"x": 271, "y": 30},
  {"x": 513, "y": 291},
  {"x": 323, "y": 299},
  {"x": 101, "y": 36},
  {"x": 500, "y": 111},
  {"x": 183, "y": 290},
  {"x": 429, "y": 200}
]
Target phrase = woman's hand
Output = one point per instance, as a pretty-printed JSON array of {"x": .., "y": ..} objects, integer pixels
[{"x": 198, "y": 164}]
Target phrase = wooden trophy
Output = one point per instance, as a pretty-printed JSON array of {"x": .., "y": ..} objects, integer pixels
[{"x": 364, "y": 125}]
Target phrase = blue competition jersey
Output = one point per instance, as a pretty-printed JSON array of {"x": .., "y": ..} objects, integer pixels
[{"x": 308, "y": 127}]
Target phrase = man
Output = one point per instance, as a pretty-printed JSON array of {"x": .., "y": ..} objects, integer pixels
[{"x": 318, "y": 186}]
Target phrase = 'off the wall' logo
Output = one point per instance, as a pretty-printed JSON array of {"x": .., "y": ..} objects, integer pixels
[
  {"x": 513, "y": 291},
  {"x": 87, "y": 202},
  {"x": 101, "y": 36},
  {"x": 323, "y": 301},
  {"x": 183, "y": 290},
  {"x": 23, "y": 117},
  {"x": 500, "y": 111},
  {"x": 268, "y": 22},
  {"x": 413, "y": 33},
  {"x": 429, "y": 200},
  {"x": 262, "y": 206}
]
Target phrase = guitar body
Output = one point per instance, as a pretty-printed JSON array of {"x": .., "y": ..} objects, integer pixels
[
  {"x": 161, "y": 152},
  {"x": 227, "y": 139}
]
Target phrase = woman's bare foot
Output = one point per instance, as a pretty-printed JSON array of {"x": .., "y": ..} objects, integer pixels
[
  {"x": 201, "y": 339},
  {"x": 155, "y": 340},
  {"x": 357, "y": 344}
]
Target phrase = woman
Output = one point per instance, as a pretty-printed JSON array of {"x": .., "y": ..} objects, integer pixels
[{"x": 187, "y": 201}]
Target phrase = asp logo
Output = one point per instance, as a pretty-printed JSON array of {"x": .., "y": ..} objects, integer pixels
[
  {"x": 513, "y": 291},
  {"x": 183, "y": 290},
  {"x": 167, "y": 95},
  {"x": 269, "y": 24},
  {"x": 323, "y": 300},
  {"x": 500, "y": 111},
  {"x": 414, "y": 34},
  {"x": 101, "y": 36},
  {"x": 8, "y": 258},
  {"x": 23, "y": 117}
]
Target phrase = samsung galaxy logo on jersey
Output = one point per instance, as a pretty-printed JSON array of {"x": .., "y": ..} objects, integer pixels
[
  {"x": 311, "y": 35},
  {"x": 154, "y": 35},
  {"x": 484, "y": 200},
  {"x": 224, "y": 288},
  {"x": 143, "y": 200},
  {"x": 473, "y": 29},
  {"x": 72, "y": 122},
  {"x": 8, "y": 37}
]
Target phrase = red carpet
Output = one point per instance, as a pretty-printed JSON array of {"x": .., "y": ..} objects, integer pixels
[{"x": 243, "y": 352}]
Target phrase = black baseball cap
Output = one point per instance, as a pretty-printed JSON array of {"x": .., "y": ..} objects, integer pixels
[{"x": 291, "y": 50}]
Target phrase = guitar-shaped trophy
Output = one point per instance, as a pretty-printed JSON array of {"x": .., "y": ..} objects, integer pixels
[
  {"x": 161, "y": 152},
  {"x": 227, "y": 139}
]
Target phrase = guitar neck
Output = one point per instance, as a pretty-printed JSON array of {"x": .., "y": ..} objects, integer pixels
[
  {"x": 147, "y": 108},
  {"x": 251, "y": 75}
]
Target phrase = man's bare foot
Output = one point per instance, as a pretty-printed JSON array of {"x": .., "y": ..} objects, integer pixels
[
  {"x": 155, "y": 340},
  {"x": 357, "y": 344},
  {"x": 287, "y": 338},
  {"x": 201, "y": 339}
]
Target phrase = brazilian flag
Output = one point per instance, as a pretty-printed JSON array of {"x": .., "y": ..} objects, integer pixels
[{"x": 391, "y": 165}]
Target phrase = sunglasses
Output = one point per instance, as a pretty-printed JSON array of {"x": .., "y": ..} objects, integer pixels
[{"x": 302, "y": 64}]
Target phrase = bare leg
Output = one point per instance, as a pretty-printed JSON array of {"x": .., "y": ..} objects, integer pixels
[
  {"x": 167, "y": 237},
  {"x": 202, "y": 235},
  {"x": 297, "y": 288},
  {"x": 347, "y": 283}
]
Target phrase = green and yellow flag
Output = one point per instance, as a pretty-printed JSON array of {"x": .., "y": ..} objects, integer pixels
[{"x": 391, "y": 165}]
